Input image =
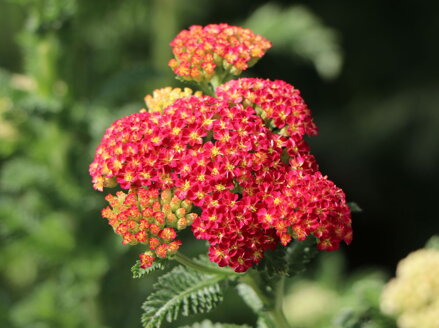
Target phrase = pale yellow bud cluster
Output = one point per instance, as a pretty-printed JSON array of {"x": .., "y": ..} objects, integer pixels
[
  {"x": 162, "y": 98},
  {"x": 413, "y": 296}
]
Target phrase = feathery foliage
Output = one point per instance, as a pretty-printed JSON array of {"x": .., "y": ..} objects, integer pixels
[
  {"x": 254, "y": 301},
  {"x": 184, "y": 292},
  {"x": 250, "y": 297},
  {"x": 139, "y": 272}
]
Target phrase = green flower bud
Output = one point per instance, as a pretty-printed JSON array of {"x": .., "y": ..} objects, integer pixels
[
  {"x": 166, "y": 196},
  {"x": 180, "y": 212},
  {"x": 187, "y": 205},
  {"x": 175, "y": 203}
]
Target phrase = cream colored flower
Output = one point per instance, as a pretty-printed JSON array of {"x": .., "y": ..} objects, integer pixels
[{"x": 413, "y": 296}]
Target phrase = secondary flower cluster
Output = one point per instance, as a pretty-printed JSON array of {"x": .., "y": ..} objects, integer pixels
[
  {"x": 145, "y": 216},
  {"x": 413, "y": 296},
  {"x": 162, "y": 98},
  {"x": 200, "y": 52}
]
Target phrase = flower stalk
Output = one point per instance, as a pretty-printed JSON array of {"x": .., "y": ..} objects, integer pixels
[{"x": 272, "y": 310}]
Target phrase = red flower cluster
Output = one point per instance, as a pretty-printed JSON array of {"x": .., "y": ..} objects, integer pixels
[
  {"x": 145, "y": 216},
  {"x": 307, "y": 204},
  {"x": 254, "y": 186},
  {"x": 200, "y": 52},
  {"x": 278, "y": 103}
]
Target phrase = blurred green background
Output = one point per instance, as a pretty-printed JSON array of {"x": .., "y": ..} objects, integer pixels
[{"x": 69, "y": 68}]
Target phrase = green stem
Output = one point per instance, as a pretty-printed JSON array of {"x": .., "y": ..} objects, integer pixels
[
  {"x": 182, "y": 259},
  {"x": 279, "y": 319},
  {"x": 251, "y": 282},
  {"x": 272, "y": 310},
  {"x": 207, "y": 89},
  {"x": 277, "y": 312}
]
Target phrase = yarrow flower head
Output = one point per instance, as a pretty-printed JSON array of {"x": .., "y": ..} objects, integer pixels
[
  {"x": 201, "y": 52},
  {"x": 413, "y": 295},
  {"x": 278, "y": 103},
  {"x": 144, "y": 216},
  {"x": 239, "y": 160}
]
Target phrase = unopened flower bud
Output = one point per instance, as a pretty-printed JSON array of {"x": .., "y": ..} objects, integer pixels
[
  {"x": 166, "y": 196},
  {"x": 141, "y": 237},
  {"x": 166, "y": 209},
  {"x": 187, "y": 205},
  {"x": 182, "y": 223},
  {"x": 147, "y": 213},
  {"x": 174, "y": 246},
  {"x": 190, "y": 218},
  {"x": 285, "y": 239},
  {"x": 121, "y": 229},
  {"x": 110, "y": 182},
  {"x": 153, "y": 242},
  {"x": 162, "y": 250},
  {"x": 171, "y": 219},
  {"x": 159, "y": 218},
  {"x": 154, "y": 228},
  {"x": 175, "y": 203},
  {"x": 146, "y": 259},
  {"x": 143, "y": 224},
  {"x": 156, "y": 206},
  {"x": 129, "y": 238},
  {"x": 180, "y": 212},
  {"x": 168, "y": 234}
]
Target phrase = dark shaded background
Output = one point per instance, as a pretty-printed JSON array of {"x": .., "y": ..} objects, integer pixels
[{"x": 70, "y": 68}]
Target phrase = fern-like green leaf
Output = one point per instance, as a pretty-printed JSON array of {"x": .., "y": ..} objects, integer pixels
[
  {"x": 209, "y": 324},
  {"x": 254, "y": 301},
  {"x": 139, "y": 272},
  {"x": 299, "y": 254},
  {"x": 250, "y": 297},
  {"x": 184, "y": 292}
]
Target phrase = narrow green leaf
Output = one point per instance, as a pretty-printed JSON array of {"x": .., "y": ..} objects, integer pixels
[{"x": 354, "y": 207}]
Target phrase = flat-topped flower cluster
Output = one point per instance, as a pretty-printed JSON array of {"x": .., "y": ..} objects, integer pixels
[
  {"x": 202, "y": 52},
  {"x": 239, "y": 160},
  {"x": 413, "y": 295}
]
